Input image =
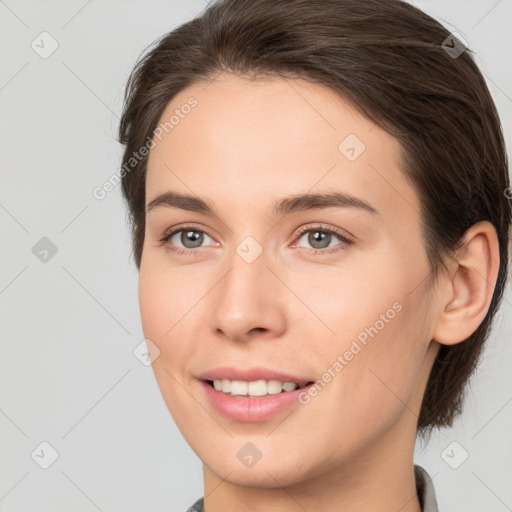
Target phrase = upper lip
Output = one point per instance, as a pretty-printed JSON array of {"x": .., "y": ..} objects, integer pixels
[{"x": 252, "y": 374}]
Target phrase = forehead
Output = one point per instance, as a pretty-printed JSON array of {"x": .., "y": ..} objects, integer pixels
[{"x": 253, "y": 141}]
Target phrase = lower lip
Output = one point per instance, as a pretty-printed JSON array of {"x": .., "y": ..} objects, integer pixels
[{"x": 251, "y": 410}]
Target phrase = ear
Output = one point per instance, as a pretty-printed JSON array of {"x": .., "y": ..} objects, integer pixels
[{"x": 469, "y": 285}]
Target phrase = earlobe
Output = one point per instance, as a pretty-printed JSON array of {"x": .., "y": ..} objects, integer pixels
[{"x": 470, "y": 285}]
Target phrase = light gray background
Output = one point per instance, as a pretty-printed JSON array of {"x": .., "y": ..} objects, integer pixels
[{"x": 69, "y": 326}]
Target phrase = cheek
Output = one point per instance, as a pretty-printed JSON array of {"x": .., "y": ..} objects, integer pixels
[
  {"x": 152, "y": 308},
  {"x": 382, "y": 376},
  {"x": 164, "y": 301},
  {"x": 165, "y": 296},
  {"x": 378, "y": 334},
  {"x": 172, "y": 305}
]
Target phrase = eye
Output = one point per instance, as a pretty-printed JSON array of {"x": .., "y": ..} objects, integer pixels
[
  {"x": 320, "y": 238},
  {"x": 190, "y": 237}
]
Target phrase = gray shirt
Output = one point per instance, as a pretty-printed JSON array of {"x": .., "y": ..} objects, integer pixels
[{"x": 424, "y": 488}]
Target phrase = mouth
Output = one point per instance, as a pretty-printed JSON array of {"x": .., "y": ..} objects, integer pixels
[{"x": 253, "y": 401}]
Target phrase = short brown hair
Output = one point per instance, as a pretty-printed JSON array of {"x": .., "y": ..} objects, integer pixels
[{"x": 388, "y": 59}]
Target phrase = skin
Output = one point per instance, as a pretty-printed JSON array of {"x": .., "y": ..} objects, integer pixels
[{"x": 245, "y": 145}]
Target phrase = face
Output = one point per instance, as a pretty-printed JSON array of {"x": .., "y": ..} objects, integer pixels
[{"x": 329, "y": 290}]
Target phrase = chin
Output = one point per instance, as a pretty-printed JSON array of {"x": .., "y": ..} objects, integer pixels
[{"x": 269, "y": 471}]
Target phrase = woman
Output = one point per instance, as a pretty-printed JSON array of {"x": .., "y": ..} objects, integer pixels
[{"x": 318, "y": 195}]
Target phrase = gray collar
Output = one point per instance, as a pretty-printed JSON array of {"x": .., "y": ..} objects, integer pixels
[{"x": 426, "y": 491}]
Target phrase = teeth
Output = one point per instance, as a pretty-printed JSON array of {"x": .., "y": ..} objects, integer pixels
[
  {"x": 226, "y": 385},
  {"x": 254, "y": 388},
  {"x": 238, "y": 387}
]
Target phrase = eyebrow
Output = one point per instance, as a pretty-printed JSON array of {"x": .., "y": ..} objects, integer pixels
[{"x": 296, "y": 203}]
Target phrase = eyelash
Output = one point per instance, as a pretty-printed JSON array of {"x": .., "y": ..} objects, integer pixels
[{"x": 178, "y": 250}]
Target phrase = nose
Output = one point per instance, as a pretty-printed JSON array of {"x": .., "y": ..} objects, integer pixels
[{"x": 249, "y": 300}]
